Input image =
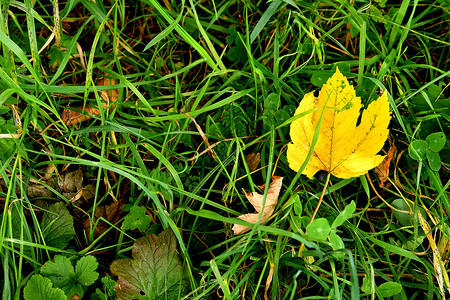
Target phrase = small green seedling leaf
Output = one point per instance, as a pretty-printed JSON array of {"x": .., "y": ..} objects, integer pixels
[
  {"x": 413, "y": 242},
  {"x": 272, "y": 102},
  {"x": 418, "y": 149},
  {"x": 59, "y": 271},
  {"x": 155, "y": 272},
  {"x": 296, "y": 223},
  {"x": 318, "y": 229},
  {"x": 39, "y": 287},
  {"x": 336, "y": 241},
  {"x": 366, "y": 286},
  {"x": 436, "y": 141},
  {"x": 405, "y": 218},
  {"x": 389, "y": 289},
  {"x": 137, "y": 218},
  {"x": 344, "y": 215},
  {"x": 85, "y": 270},
  {"x": 434, "y": 160},
  {"x": 298, "y": 207},
  {"x": 72, "y": 282},
  {"x": 57, "y": 224}
]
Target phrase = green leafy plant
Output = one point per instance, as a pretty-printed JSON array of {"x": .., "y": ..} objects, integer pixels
[
  {"x": 39, "y": 287},
  {"x": 137, "y": 218},
  {"x": 57, "y": 225},
  {"x": 428, "y": 149},
  {"x": 155, "y": 272},
  {"x": 65, "y": 278}
]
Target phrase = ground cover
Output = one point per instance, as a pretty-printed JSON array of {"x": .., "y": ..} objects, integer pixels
[{"x": 141, "y": 141}]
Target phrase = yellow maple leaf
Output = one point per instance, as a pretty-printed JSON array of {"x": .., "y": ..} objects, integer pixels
[{"x": 342, "y": 149}]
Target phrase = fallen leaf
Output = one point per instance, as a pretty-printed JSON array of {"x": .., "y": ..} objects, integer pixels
[
  {"x": 104, "y": 215},
  {"x": 438, "y": 264},
  {"x": 342, "y": 149},
  {"x": 57, "y": 226},
  {"x": 71, "y": 117},
  {"x": 155, "y": 272},
  {"x": 71, "y": 182},
  {"x": 256, "y": 200},
  {"x": 382, "y": 170},
  {"x": 252, "y": 160}
]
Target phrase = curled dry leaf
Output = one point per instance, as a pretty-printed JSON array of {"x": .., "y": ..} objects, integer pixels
[
  {"x": 111, "y": 213},
  {"x": 253, "y": 160},
  {"x": 71, "y": 117},
  {"x": 256, "y": 200},
  {"x": 382, "y": 170}
]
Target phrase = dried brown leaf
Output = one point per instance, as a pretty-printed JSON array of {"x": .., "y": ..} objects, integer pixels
[
  {"x": 111, "y": 213},
  {"x": 256, "y": 200},
  {"x": 71, "y": 182},
  {"x": 382, "y": 170},
  {"x": 71, "y": 117},
  {"x": 253, "y": 160}
]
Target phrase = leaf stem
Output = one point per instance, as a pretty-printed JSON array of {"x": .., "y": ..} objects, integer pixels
[{"x": 321, "y": 197}]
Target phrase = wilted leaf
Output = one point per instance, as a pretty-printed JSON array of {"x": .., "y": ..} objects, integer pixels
[
  {"x": 256, "y": 200},
  {"x": 39, "y": 287},
  {"x": 111, "y": 213},
  {"x": 38, "y": 191},
  {"x": 253, "y": 160},
  {"x": 342, "y": 149},
  {"x": 71, "y": 182},
  {"x": 438, "y": 264},
  {"x": 71, "y": 117},
  {"x": 155, "y": 272},
  {"x": 57, "y": 226},
  {"x": 382, "y": 170},
  {"x": 72, "y": 282}
]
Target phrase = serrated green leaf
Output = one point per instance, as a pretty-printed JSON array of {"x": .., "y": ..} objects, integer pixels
[
  {"x": 39, "y": 287},
  {"x": 434, "y": 160},
  {"x": 436, "y": 141},
  {"x": 389, "y": 289},
  {"x": 318, "y": 229},
  {"x": 85, "y": 270},
  {"x": 155, "y": 271},
  {"x": 60, "y": 271},
  {"x": 62, "y": 274},
  {"x": 137, "y": 218},
  {"x": 417, "y": 150},
  {"x": 57, "y": 225},
  {"x": 344, "y": 215}
]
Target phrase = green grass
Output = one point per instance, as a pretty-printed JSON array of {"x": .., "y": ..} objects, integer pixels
[{"x": 239, "y": 69}]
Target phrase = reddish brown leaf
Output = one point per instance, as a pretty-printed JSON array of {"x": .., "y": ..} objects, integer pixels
[
  {"x": 71, "y": 117},
  {"x": 382, "y": 170}
]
